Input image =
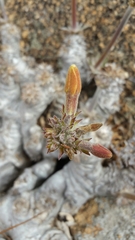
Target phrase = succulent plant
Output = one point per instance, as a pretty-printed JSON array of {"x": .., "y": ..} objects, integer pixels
[{"x": 65, "y": 134}]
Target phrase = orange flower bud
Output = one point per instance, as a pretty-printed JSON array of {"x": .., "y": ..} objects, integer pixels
[
  {"x": 72, "y": 89},
  {"x": 73, "y": 81}
]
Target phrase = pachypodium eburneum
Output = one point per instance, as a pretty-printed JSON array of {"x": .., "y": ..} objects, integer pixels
[{"x": 64, "y": 133}]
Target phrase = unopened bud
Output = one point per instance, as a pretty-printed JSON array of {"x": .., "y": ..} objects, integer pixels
[
  {"x": 96, "y": 149},
  {"x": 73, "y": 81},
  {"x": 100, "y": 151},
  {"x": 72, "y": 89}
]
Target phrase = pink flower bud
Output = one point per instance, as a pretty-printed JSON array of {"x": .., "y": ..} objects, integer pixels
[
  {"x": 100, "y": 151},
  {"x": 96, "y": 149}
]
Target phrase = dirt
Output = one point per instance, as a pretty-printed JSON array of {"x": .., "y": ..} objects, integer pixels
[
  {"x": 41, "y": 24},
  {"x": 84, "y": 219}
]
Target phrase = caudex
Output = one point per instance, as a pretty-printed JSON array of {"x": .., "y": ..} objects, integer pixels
[{"x": 64, "y": 133}]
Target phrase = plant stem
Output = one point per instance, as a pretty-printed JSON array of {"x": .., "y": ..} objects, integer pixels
[
  {"x": 109, "y": 46},
  {"x": 73, "y": 14},
  {"x": 19, "y": 224},
  {"x": 115, "y": 36},
  {"x": 2, "y": 5}
]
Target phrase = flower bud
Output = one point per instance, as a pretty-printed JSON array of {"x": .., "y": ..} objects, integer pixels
[
  {"x": 96, "y": 149},
  {"x": 72, "y": 89},
  {"x": 73, "y": 81},
  {"x": 100, "y": 151}
]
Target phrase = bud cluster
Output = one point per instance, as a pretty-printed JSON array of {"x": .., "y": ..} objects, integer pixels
[{"x": 64, "y": 133}]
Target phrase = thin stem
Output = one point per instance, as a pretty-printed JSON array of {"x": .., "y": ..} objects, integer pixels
[
  {"x": 105, "y": 53},
  {"x": 2, "y": 5},
  {"x": 19, "y": 224},
  {"x": 115, "y": 36},
  {"x": 73, "y": 14}
]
